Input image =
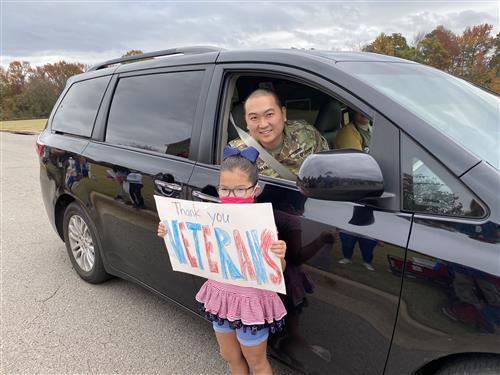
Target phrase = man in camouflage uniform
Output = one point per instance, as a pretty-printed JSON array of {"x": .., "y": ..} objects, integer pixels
[{"x": 289, "y": 142}]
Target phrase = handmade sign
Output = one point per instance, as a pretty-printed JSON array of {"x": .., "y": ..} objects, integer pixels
[{"x": 224, "y": 242}]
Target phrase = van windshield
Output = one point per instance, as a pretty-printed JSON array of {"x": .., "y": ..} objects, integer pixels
[{"x": 462, "y": 111}]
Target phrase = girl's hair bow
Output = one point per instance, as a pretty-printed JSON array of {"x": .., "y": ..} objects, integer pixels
[{"x": 249, "y": 153}]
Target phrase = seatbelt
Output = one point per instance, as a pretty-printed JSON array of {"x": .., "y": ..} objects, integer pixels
[{"x": 263, "y": 154}]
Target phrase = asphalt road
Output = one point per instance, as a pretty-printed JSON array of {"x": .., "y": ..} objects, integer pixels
[{"x": 52, "y": 322}]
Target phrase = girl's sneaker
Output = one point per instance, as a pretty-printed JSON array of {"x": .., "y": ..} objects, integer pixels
[{"x": 345, "y": 261}]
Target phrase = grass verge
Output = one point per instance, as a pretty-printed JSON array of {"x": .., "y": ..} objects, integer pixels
[{"x": 23, "y": 126}]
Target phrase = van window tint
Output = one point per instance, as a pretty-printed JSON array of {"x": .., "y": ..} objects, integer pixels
[
  {"x": 155, "y": 112},
  {"x": 77, "y": 112},
  {"x": 429, "y": 188}
]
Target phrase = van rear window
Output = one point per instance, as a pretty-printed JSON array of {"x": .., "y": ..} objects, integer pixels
[{"x": 78, "y": 110}]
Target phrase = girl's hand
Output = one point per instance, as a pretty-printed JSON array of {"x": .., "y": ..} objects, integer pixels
[
  {"x": 162, "y": 231},
  {"x": 278, "y": 248}
]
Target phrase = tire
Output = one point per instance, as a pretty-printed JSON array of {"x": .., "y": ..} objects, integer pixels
[
  {"x": 480, "y": 365},
  {"x": 83, "y": 245}
]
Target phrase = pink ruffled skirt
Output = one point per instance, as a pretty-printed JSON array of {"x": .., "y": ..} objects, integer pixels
[{"x": 241, "y": 306}]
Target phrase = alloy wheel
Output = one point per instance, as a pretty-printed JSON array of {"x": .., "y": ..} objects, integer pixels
[{"x": 81, "y": 243}]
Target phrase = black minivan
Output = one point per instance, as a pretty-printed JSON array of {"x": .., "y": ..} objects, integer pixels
[{"x": 429, "y": 301}]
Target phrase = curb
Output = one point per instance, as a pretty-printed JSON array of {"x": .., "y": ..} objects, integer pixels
[{"x": 22, "y": 132}]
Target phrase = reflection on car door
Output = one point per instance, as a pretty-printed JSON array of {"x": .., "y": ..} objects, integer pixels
[
  {"x": 122, "y": 195},
  {"x": 336, "y": 311}
]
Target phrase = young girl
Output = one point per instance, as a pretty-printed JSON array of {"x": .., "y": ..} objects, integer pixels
[{"x": 241, "y": 316}]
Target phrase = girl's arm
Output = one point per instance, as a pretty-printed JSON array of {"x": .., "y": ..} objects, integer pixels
[{"x": 278, "y": 248}]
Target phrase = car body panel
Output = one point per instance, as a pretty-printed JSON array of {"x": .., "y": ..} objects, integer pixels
[
  {"x": 54, "y": 171},
  {"x": 126, "y": 222},
  {"x": 447, "y": 306}
]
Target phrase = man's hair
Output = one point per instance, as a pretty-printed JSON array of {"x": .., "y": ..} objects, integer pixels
[
  {"x": 263, "y": 92},
  {"x": 239, "y": 162}
]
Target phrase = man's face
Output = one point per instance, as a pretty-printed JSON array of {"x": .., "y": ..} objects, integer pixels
[{"x": 265, "y": 120}]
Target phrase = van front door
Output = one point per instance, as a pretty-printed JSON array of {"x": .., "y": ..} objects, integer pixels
[{"x": 342, "y": 292}]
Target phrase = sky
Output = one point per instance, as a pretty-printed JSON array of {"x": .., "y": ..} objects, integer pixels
[{"x": 91, "y": 31}]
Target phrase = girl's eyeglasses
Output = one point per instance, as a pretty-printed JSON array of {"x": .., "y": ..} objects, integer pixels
[{"x": 238, "y": 192}]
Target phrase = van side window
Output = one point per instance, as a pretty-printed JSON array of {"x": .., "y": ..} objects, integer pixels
[
  {"x": 77, "y": 112},
  {"x": 155, "y": 112},
  {"x": 429, "y": 188},
  {"x": 302, "y": 102},
  {"x": 310, "y": 119}
]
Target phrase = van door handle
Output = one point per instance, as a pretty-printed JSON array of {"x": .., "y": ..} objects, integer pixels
[
  {"x": 205, "y": 197},
  {"x": 167, "y": 188}
]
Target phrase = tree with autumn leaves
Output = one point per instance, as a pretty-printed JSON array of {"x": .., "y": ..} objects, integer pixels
[
  {"x": 474, "y": 55},
  {"x": 31, "y": 92}
]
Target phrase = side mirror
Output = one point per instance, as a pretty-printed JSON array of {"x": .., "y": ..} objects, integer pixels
[{"x": 340, "y": 175}]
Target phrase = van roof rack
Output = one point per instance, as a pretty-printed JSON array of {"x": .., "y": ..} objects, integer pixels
[{"x": 165, "y": 52}]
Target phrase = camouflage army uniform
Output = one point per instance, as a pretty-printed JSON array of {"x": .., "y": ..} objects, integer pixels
[{"x": 300, "y": 140}]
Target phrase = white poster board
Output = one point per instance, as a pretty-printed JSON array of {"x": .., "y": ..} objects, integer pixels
[{"x": 224, "y": 242}]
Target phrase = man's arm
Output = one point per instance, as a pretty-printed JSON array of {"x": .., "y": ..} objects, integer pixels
[{"x": 321, "y": 143}]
